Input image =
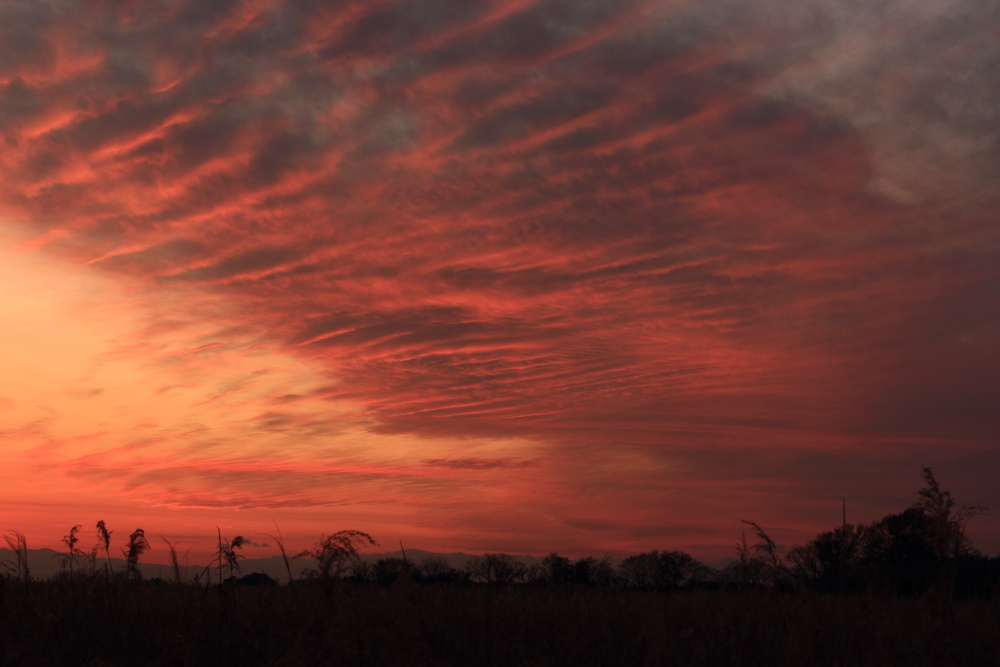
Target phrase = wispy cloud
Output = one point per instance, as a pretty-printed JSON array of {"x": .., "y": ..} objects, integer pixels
[
  {"x": 479, "y": 464},
  {"x": 666, "y": 229}
]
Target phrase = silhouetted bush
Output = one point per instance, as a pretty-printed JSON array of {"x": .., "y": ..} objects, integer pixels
[{"x": 253, "y": 579}]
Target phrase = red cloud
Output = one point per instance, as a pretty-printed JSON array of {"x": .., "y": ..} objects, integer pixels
[{"x": 676, "y": 231}]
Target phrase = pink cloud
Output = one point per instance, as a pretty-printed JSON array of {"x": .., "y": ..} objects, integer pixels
[{"x": 683, "y": 233}]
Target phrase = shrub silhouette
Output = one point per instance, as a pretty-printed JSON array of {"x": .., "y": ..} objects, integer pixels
[{"x": 335, "y": 554}]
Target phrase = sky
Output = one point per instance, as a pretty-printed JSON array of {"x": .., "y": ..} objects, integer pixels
[{"x": 585, "y": 276}]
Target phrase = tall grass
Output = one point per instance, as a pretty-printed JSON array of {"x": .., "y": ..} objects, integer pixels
[
  {"x": 71, "y": 541},
  {"x": 137, "y": 545},
  {"x": 104, "y": 542},
  {"x": 228, "y": 554},
  {"x": 280, "y": 541},
  {"x": 19, "y": 545},
  {"x": 173, "y": 560}
]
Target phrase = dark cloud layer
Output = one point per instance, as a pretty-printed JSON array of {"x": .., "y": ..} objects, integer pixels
[{"x": 679, "y": 227}]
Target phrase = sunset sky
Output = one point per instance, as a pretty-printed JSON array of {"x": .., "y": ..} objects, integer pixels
[{"x": 586, "y": 276}]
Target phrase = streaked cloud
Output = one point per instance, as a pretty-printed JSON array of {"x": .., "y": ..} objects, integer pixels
[{"x": 606, "y": 247}]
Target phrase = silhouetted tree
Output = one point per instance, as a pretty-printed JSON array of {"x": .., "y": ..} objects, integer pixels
[
  {"x": 911, "y": 551},
  {"x": 437, "y": 569},
  {"x": 660, "y": 570},
  {"x": 604, "y": 573},
  {"x": 388, "y": 570},
  {"x": 639, "y": 571},
  {"x": 585, "y": 571},
  {"x": 946, "y": 528},
  {"x": 833, "y": 560},
  {"x": 556, "y": 569},
  {"x": 675, "y": 568},
  {"x": 899, "y": 554},
  {"x": 496, "y": 569}
]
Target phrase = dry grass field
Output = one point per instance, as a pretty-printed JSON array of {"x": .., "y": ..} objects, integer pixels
[{"x": 342, "y": 623}]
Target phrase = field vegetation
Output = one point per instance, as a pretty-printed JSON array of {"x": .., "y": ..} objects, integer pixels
[{"x": 909, "y": 589}]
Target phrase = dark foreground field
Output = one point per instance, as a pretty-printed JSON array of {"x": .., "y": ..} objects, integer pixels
[{"x": 153, "y": 623}]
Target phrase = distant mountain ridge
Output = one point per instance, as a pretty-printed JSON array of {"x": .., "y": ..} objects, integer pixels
[{"x": 47, "y": 563}]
